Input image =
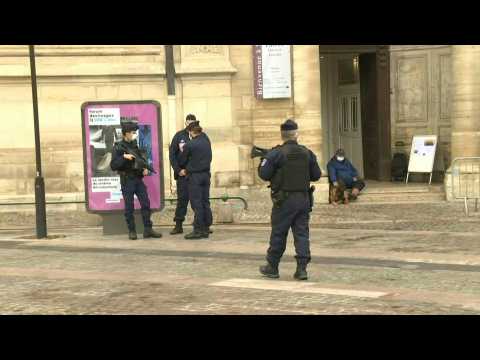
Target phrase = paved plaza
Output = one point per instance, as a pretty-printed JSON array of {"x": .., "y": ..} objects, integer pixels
[{"x": 404, "y": 268}]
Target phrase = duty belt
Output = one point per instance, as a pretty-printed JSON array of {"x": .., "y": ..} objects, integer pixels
[
  {"x": 129, "y": 174},
  {"x": 198, "y": 172}
]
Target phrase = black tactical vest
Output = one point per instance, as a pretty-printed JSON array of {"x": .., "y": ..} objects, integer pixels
[
  {"x": 132, "y": 167},
  {"x": 294, "y": 174}
]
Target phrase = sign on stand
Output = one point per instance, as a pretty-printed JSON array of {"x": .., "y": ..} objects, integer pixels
[{"x": 422, "y": 155}]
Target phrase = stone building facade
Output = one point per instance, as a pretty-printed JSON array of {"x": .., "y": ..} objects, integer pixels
[{"x": 428, "y": 90}]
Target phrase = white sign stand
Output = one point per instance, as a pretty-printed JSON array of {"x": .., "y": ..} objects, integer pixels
[{"x": 422, "y": 155}]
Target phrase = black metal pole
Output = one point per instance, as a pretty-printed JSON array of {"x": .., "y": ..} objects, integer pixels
[
  {"x": 170, "y": 69},
  {"x": 170, "y": 74},
  {"x": 40, "y": 206}
]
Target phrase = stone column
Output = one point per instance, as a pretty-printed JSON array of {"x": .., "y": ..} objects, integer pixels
[
  {"x": 465, "y": 100},
  {"x": 306, "y": 87},
  {"x": 206, "y": 77},
  {"x": 307, "y": 106}
]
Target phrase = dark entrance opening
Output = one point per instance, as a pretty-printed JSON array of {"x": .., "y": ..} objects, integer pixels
[
  {"x": 375, "y": 109},
  {"x": 374, "y": 81}
]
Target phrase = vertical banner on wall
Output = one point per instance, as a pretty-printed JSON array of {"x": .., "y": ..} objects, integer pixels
[
  {"x": 272, "y": 71},
  {"x": 101, "y": 129}
]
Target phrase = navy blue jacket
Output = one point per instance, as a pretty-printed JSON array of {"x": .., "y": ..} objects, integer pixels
[
  {"x": 341, "y": 170},
  {"x": 179, "y": 140},
  {"x": 197, "y": 155},
  {"x": 275, "y": 160}
]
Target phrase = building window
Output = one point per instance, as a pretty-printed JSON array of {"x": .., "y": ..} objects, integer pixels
[
  {"x": 344, "y": 118},
  {"x": 354, "y": 112},
  {"x": 348, "y": 71}
]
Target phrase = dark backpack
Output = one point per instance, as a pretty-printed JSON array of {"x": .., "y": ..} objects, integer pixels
[{"x": 399, "y": 166}]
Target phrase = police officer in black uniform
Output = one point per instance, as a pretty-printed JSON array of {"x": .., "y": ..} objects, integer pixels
[
  {"x": 196, "y": 158},
  {"x": 131, "y": 179},
  {"x": 289, "y": 168},
  {"x": 178, "y": 142}
]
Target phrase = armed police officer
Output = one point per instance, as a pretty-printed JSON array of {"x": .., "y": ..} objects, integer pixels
[
  {"x": 176, "y": 147},
  {"x": 195, "y": 161},
  {"x": 132, "y": 168},
  {"x": 289, "y": 167}
]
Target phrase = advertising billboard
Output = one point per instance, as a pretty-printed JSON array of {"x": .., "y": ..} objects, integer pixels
[{"x": 101, "y": 129}]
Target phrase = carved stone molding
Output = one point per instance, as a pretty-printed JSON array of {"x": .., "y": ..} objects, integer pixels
[
  {"x": 81, "y": 67},
  {"x": 194, "y": 50},
  {"x": 84, "y": 60},
  {"x": 394, "y": 48},
  {"x": 84, "y": 50},
  {"x": 445, "y": 75},
  {"x": 203, "y": 59},
  {"x": 411, "y": 89}
]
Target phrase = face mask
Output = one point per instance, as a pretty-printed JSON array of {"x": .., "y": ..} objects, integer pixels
[
  {"x": 340, "y": 158},
  {"x": 134, "y": 137}
]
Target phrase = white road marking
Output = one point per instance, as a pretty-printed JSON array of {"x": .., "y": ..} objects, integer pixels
[{"x": 294, "y": 286}]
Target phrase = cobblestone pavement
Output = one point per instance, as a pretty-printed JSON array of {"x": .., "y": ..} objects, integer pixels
[{"x": 420, "y": 272}]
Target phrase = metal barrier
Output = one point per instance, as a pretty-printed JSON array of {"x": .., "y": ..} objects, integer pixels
[
  {"x": 224, "y": 198},
  {"x": 466, "y": 180}
]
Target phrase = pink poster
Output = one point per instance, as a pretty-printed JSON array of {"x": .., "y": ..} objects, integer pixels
[{"x": 101, "y": 129}]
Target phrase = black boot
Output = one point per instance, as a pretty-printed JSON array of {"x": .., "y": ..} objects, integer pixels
[
  {"x": 269, "y": 271},
  {"x": 301, "y": 273},
  {"x": 195, "y": 234},
  {"x": 205, "y": 233},
  {"x": 132, "y": 235},
  {"x": 178, "y": 229},
  {"x": 148, "y": 232}
]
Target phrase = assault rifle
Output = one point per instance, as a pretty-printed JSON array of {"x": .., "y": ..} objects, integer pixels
[
  {"x": 259, "y": 152},
  {"x": 140, "y": 162}
]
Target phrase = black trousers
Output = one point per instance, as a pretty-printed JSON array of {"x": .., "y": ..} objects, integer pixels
[
  {"x": 135, "y": 186},
  {"x": 294, "y": 213},
  {"x": 359, "y": 184},
  {"x": 182, "y": 199},
  {"x": 199, "y": 192}
]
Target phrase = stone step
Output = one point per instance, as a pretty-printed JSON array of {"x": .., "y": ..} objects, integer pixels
[
  {"x": 404, "y": 190},
  {"x": 411, "y": 197}
]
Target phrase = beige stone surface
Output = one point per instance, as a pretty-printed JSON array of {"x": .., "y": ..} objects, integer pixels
[
  {"x": 215, "y": 82},
  {"x": 465, "y": 101}
]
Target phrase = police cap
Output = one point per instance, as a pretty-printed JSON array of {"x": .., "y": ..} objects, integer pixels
[
  {"x": 289, "y": 125},
  {"x": 129, "y": 125},
  {"x": 193, "y": 124}
]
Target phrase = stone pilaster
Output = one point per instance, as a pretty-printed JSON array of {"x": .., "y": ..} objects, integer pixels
[
  {"x": 307, "y": 106},
  {"x": 306, "y": 87},
  {"x": 465, "y": 101},
  {"x": 465, "y": 116},
  {"x": 205, "y": 72}
]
